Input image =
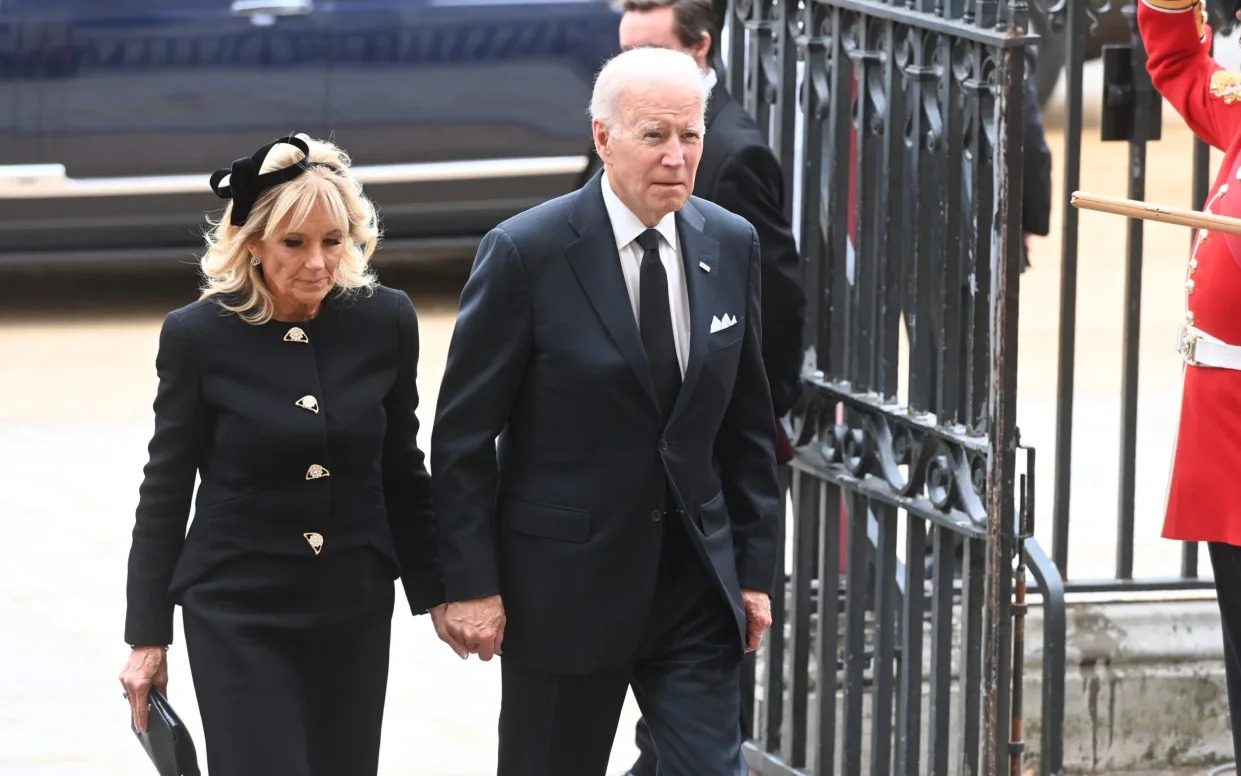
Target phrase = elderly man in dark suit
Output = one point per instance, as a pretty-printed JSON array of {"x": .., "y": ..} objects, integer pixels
[
  {"x": 740, "y": 173},
  {"x": 622, "y": 531}
]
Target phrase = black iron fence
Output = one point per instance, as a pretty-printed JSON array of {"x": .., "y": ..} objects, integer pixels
[
  {"x": 900, "y": 129},
  {"x": 897, "y": 646}
]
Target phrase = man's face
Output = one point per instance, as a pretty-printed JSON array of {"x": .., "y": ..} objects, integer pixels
[
  {"x": 652, "y": 152},
  {"x": 657, "y": 27}
]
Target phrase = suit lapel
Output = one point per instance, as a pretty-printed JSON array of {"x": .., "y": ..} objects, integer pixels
[
  {"x": 596, "y": 263},
  {"x": 696, "y": 249}
]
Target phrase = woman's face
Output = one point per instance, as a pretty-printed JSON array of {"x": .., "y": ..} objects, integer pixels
[{"x": 299, "y": 264}]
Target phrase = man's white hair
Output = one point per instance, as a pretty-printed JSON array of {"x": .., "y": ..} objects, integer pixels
[{"x": 641, "y": 66}]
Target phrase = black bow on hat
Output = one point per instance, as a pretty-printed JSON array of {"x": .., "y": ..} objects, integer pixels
[{"x": 245, "y": 184}]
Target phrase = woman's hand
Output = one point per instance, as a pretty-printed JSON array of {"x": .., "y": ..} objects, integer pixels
[
  {"x": 147, "y": 666},
  {"x": 441, "y": 629}
]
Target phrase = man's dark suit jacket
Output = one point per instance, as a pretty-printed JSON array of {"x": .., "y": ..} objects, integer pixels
[
  {"x": 739, "y": 172},
  {"x": 232, "y": 407},
  {"x": 563, "y": 518}
]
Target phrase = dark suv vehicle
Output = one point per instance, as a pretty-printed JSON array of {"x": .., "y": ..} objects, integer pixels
[{"x": 457, "y": 113}]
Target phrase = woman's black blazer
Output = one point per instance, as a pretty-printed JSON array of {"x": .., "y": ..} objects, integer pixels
[{"x": 304, "y": 436}]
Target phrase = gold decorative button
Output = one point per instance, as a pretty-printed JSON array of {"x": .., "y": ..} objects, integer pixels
[
  {"x": 316, "y": 472},
  {"x": 296, "y": 334},
  {"x": 308, "y": 402},
  {"x": 1189, "y": 286},
  {"x": 315, "y": 540},
  {"x": 1193, "y": 265},
  {"x": 1189, "y": 317}
]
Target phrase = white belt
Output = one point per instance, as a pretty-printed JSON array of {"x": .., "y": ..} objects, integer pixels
[{"x": 1201, "y": 349}]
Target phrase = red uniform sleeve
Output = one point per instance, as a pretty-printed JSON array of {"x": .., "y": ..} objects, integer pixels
[{"x": 1178, "y": 45}]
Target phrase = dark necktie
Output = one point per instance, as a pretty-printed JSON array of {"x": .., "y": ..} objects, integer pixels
[{"x": 655, "y": 322}]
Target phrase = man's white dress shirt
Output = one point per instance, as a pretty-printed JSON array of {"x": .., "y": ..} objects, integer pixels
[{"x": 626, "y": 227}]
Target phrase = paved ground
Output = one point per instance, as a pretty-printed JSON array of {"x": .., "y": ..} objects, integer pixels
[{"x": 75, "y": 414}]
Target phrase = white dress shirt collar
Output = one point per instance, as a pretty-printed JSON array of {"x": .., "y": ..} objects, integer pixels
[
  {"x": 710, "y": 78},
  {"x": 626, "y": 226}
]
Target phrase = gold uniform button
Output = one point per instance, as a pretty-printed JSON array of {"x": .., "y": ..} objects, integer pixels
[
  {"x": 1189, "y": 317},
  {"x": 308, "y": 402},
  {"x": 315, "y": 540},
  {"x": 316, "y": 472},
  {"x": 1193, "y": 265},
  {"x": 296, "y": 334},
  {"x": 1189, "y": 286}
]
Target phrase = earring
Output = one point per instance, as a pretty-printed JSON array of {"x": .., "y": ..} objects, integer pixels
[{"x": 254, "y": 260}]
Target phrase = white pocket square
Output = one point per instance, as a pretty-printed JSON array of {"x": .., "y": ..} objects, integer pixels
[{"x": 719, "y": 324}]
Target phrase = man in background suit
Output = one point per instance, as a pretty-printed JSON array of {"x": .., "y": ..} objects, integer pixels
[
  {"x": 740, "y": 173},
  {"x": 622, "y": 532}
]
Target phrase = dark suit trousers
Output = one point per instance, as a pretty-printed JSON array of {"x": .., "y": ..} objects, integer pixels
[
  {"x": 292, "y": 686},
  {"x": 1226, "y": 565},
  {"x": 686, "y": 678}
]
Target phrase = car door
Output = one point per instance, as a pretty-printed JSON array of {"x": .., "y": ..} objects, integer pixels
[
  {"x": 8, "y": 79},
  {"x": 19, "y": 127},
  {"x": 459, "y": 113},
  {"x": 138, "y": 101}
]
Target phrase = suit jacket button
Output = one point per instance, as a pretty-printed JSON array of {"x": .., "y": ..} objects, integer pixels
[
  {"x": 663, "y": 444},
  {"x": 657, "y": 515}
]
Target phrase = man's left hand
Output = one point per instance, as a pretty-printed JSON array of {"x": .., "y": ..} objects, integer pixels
[{"x": 757, "y": 616}]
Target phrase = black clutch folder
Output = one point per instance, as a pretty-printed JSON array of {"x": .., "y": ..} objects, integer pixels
[{"x": 167, "y": 740}]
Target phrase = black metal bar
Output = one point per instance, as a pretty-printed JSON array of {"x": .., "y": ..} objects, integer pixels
[
  {"x": 816, "y": 105},
  {"x": 1189, "y": 560},
  {"x": 774, "y": 649},
  {"x": 892, "y": 208},
  {"x": 1051, "y": 589},
  {"x": 973, "y": 580},
  {"x": 855, "y": 634},
  {"x": 1002, "y": 415},
  {"x": 1075, "y": 36},
  {"x": 806, "y": 493},
  {"x": 980, "y": 129},
  {"x": 785, "y": 132},
  {"x": 736, "y": 16},
  {"x": 835, "y": 338},
  {"x": 1016, "y": 738},
  {"x": 1132, "y": 317},
  {"x": 882, "y": 686},
  {"x": 829, "y": 628},
  {"x": 761, "y": 66},
  {"x": 939, "y": 722},
  {"x": 925, "y": 271},
  {"x": 869, "y": 212},
  {"x": 909, "y": 699},
  {"x": 952, "y": 402}
]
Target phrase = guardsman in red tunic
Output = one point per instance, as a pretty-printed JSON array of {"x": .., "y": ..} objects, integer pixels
[{"x": 1204, "y": 495}]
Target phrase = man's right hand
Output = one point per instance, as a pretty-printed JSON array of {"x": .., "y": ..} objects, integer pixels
[{"x": 478, "y": 624}]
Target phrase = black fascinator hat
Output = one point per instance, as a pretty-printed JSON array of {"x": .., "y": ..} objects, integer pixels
[{"x": 245, "y": 184}]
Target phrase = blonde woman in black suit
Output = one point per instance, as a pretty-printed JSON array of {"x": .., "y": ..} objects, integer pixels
[{"x": 289, "y": 389}]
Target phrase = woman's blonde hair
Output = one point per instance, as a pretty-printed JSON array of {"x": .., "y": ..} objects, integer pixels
[{"x": 237, "y": 284}]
